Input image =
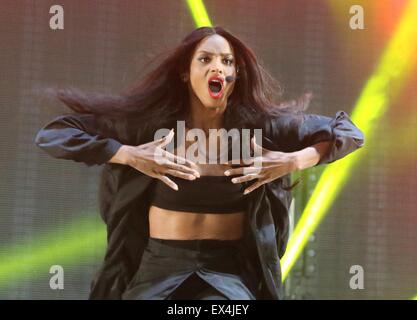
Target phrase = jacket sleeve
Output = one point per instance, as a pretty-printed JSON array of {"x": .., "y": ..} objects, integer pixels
[
  {"x": 87, "y": 138},
  {"x": 296, "y": 132}
]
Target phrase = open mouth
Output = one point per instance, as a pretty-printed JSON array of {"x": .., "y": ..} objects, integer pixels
[{"x": 215, "y": 88}]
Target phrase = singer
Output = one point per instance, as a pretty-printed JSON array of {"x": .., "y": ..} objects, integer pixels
[{"x": 179, "y": 229}]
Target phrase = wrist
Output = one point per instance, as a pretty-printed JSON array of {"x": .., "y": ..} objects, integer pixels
[
  {"x": 307, "y": 157},
  {"x": 295, "y": 163},
  {"x": 121, "y": 156}
]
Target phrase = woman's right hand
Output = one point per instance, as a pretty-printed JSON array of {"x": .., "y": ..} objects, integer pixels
[{"x": 156, "y": 162}]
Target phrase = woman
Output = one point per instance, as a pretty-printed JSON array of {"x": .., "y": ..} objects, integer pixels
[{"x": 187, "y": 229}]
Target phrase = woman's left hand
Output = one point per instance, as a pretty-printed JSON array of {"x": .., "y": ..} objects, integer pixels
[{"x": 269, "y": 166}]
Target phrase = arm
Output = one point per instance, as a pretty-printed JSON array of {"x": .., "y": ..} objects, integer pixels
[
  {"x": 294, "y": 133},
  {"x": 310, "y": 156},
  {"x": 94, "y": 139},
  {"x": 86, "y": 138},
  {"x": 121, "y": 156}
]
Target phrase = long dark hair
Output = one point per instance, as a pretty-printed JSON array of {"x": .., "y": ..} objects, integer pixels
[{"x": 161, "y": 98}]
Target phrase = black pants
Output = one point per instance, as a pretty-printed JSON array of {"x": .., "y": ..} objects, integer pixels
[
  {"x": 190, "y": 269},
  {"x": 194, "y": 288}
]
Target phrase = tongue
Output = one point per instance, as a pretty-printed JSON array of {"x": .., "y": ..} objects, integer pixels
[{"x": 214, "y": 87}]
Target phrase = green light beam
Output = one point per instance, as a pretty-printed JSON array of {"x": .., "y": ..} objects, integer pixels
[
  {"x": 72, "y": 244},
  {"x": 84, "y": 238}
]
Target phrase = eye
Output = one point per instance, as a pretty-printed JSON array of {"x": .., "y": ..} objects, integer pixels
[{"x": 229, "y": 62}]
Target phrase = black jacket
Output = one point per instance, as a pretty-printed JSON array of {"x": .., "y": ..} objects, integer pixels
[{"x": 125, "y": 192}]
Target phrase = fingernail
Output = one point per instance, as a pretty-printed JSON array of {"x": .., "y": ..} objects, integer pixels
[
  {"x": 193, "y": 178},
  {"x": 227, "y": 173},
  {"x": 234, "y": 180},
  {"x": 245, "y": 192},
  {"x": 176, "y": 188},
  {"x": 197, "y": 174}
]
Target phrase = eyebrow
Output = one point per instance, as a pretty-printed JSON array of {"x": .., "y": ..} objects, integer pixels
[{"x": 223, "y": 54}]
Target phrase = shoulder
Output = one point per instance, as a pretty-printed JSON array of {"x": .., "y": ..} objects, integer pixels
[
  {"x": 127, "y": 129},
  {"x": 280, "y": 130}
]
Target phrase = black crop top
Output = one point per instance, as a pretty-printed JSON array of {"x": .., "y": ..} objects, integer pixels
[{"x": 207, "y": 194}]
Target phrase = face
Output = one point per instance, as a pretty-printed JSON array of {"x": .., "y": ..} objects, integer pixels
[{"x": 213, "y": 60}]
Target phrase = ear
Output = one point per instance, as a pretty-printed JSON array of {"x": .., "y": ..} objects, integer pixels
[{"x": 184, "y": 77}]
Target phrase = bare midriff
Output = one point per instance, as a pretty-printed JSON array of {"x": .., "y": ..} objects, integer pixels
[{"x": 180, "y": 225}]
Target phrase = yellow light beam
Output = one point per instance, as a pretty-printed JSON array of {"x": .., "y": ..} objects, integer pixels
[
  {"x": 199, "y": 13},
  {"x": 395, "y": 65}
]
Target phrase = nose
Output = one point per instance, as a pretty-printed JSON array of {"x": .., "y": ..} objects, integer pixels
[{"x": 216, "y": 68}]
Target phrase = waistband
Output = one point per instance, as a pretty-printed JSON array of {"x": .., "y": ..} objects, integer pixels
[{"x": 198, "y": 245}]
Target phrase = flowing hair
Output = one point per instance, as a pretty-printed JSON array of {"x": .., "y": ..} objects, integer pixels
[{"x": 161, "y": 98}]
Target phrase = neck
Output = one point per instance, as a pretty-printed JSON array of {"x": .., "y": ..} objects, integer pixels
[{"x": 204, "y": 118}]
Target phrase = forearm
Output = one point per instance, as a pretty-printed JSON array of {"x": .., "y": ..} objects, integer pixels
[
  {"x": 310, "y": 156},
  {"x": 121, "y": 156}
]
